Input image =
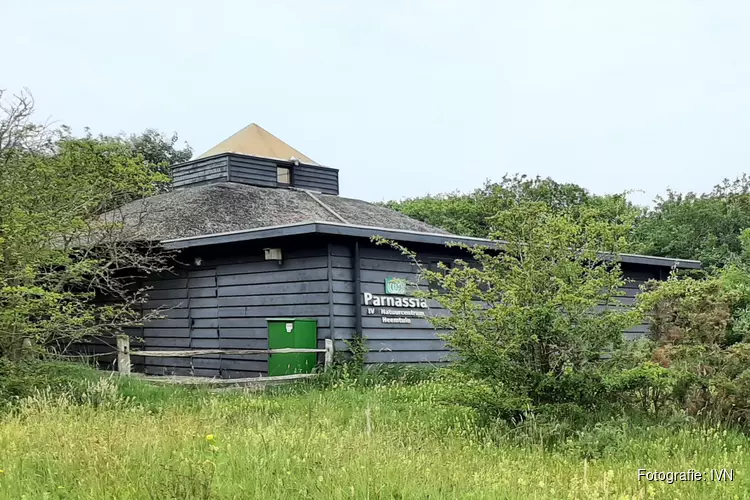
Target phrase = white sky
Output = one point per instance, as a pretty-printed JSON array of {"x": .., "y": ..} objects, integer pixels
[{"x": 407, "y": 98}]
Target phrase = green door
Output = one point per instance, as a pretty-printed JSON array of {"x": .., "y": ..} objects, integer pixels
[{"x": 292, "y": 333}]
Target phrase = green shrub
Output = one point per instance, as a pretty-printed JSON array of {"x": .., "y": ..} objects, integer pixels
[
  {"x": 530, "y": 322},
  {"x": 699, "y": 358},
  {"x": 648, "y": 384},
  {"x": 491, "y": 400},
  {"x": 586, "y": 389}
]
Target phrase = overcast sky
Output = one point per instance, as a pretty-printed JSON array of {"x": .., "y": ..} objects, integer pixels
[{"x": 407, "y": 98}]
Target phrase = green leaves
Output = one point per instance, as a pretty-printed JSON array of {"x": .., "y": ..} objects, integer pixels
[
  {"x": 54, "y": 256},
  {"x": 545, "y": 305},
  {"x": 473, "y": 214},
  {"x": 706, "y": 227},
  {"x": 154, "y": 149},
  {"x": 700, "y": 329}
]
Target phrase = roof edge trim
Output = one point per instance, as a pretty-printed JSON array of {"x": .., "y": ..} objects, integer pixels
[
  {"x": 357, "y": 231},
  {"x": 243, "y": 155}
]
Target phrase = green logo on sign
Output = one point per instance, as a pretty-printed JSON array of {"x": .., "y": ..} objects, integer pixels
[{"x": 395, "y": 286}]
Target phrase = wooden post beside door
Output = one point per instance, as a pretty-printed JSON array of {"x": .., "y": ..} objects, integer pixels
[{"x": 328, "y": 362}]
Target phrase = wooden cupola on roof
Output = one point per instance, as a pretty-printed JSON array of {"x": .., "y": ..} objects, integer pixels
[
  {"x": 255, "y": 156},
  {"x": 254, "y": 140}
]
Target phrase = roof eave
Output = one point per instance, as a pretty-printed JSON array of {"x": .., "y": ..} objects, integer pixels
[
  {"x": 317, "y": 227},
  {"x": 332, "y": 228},
  {"x": 660, "y": 261},
  {"x": 240, "y": 236}
]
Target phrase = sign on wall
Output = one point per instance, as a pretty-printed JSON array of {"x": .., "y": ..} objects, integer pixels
[
  {"x": 394, "y": 306},
  {"x": 395, "y": 286}
]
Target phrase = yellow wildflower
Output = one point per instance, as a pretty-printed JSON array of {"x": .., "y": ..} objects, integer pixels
[{"x": 210, "y": 437}]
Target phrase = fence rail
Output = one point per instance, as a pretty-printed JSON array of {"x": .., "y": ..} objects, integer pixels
[
  {"x": 206, "y": 352},
  {"x": 124, "y": 353}
]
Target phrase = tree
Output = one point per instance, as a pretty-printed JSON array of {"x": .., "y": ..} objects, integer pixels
[
  {"x": 457, "y": 213},
  {"x": 472, "y": 214},
  {"x": 159, "y": 151},
  {"x": 531, "y": 317},
  {"x": 56, "y": 255},
  {"x": 705, "y": 227}
]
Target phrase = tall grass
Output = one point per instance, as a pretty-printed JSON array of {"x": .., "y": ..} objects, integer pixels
[{"x": 124, "y": 439}]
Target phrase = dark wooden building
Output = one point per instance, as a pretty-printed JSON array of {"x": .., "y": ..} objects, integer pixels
[{"x": 263, "y": 233}]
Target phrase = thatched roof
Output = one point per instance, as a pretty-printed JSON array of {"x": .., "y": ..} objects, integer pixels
[{"x": 227, "y": 206}]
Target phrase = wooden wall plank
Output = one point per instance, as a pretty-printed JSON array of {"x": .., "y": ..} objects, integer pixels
[
  {"x": 325, "y": 180},
  {"x": 226, "y": 305},
  {"x": 252, "y": 171},
  {"x": 199, "y": 171}
]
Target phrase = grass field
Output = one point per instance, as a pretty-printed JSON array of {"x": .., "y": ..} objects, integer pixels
[{"x": 128, "y": 440}]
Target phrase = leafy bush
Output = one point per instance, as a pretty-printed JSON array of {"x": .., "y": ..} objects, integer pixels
[
  {"x": 700, "y": 353},
  {"x": 530, "y": 322},
  {"x": 586, "y": 388},
  {"x": 490, "y": 400},
  {"x": 650, "y": 385},
  {"x": 59, "y": 251}
]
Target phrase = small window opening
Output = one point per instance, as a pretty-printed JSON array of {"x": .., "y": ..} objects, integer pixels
[{"x": 283, "y": 175}]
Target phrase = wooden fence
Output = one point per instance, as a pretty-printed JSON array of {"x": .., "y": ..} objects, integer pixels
[{"x": 124, "y": 353}]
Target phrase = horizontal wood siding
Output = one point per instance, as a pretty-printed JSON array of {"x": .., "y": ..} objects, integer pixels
[
  {"x": 252, "y": 171},
  {"x": 417, "y": 342},
  {"x": 201, "y": 171},
  {"x": 637, "y": 277},
  {"x": 325, "y": 180},
  {"x": 387, "y": 342},
  {"x": 226, "y": 301},
  {"x": 225, "y": 304}
]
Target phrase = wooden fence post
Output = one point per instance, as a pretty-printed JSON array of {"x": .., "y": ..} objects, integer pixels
[
  {"x": 123, "y": 354},
  {"x": 329, "y": 354}
]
